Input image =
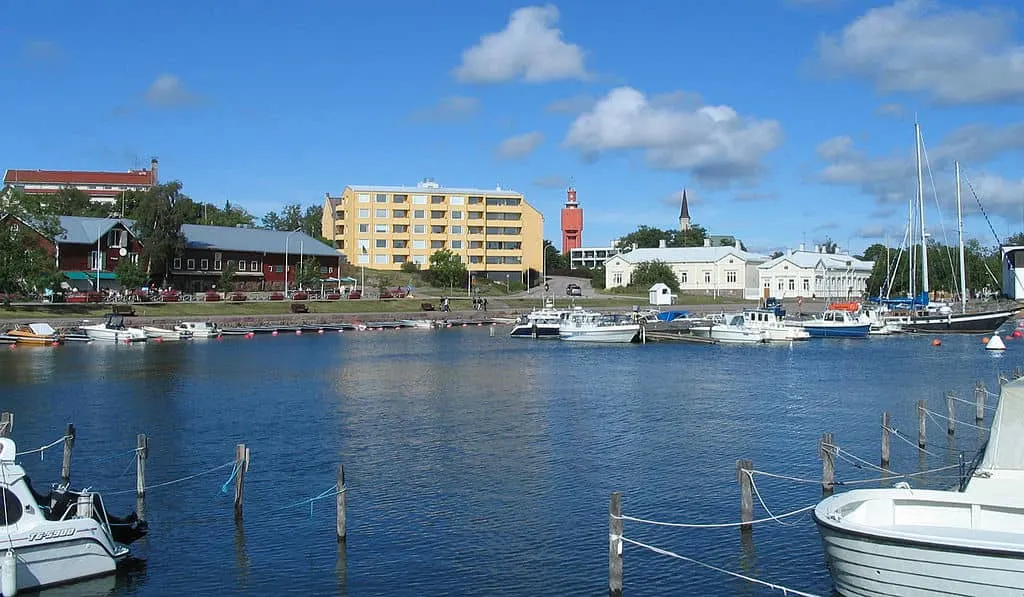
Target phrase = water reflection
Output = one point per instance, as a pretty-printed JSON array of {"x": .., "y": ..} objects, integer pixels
[{"x": 242, "y": 562}]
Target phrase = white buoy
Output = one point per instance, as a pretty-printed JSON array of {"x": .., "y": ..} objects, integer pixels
[
  {"x": 995, "y": 343},
  {"x": 9, "y": 574}
]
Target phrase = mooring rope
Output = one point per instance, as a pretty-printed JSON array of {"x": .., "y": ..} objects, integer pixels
[
  {"x": 987, "y": 407},
  {"x": 330, "y": 492},
  {"x": 751, "y": 579},
  {"x": 42, "y": 449},
  {"x": 764, "y": 505},
  {"x": 896, "y": 432},
  {"x": 133, "y": 451},
  {"x": 785, "y": 477},
  {"x": 713, "y": 525},
  {"x": 172, "y": 482},
  {"x": 945, "y": 418}
]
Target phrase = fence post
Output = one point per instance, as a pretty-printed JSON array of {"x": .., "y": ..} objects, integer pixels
[
  {"x": 342, "y": 504},
  {"x": 979, "y": 401},
  {"x": 951, "y": 413},
  {"x": 922, "y": 429},
  {"x": 65, "y": 466},
  {"x": 242, "y": 462},
  {"x": 141, "y": 454},
  {"x": 826, "y": 451},
  {"x": 615, "y": 545},
  {"x": 746, "y": 493},
  {"x": 885, "y": 439},
  {"x": 6, "y": 424}
]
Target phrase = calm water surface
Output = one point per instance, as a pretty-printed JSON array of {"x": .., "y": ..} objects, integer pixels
[{"x": 476, "y": 465}]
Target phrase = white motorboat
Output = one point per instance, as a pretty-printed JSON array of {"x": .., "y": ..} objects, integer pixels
[
  {"x": 912, "y": 542},
  {"x": 540, "y": 323},
  {"x": 58, "y": 538},
  {"x": 164, "y": 334},
  {"x": 589, "y": 326},
  {"x": 837, "y": 323},
  {"x": 198, "y": 329},
  {"x": 729, "y": 329},
  {"x": 775, "y": 330},
  {"x": 419, "y": 324},
  {"x": 114, "y": 330}
]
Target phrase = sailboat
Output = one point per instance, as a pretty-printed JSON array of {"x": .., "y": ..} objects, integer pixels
[{"x": 943, "y": 319}]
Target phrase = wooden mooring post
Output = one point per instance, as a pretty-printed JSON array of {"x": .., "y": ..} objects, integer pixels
[
  {"x": 342, "y": 504},
  {"x": 885, "y": 439},
  {"x": 826, "y": 451},
  {"x": 746, "y": 493},
  {"x": 65, "y": 466},
  {"x": 922, "y": 428},
  {"x": 979, "y": 401},
  {"x": 615, "y": 545},
  {"x": 951, "y": 413},
  {"x": 242, "y": 462},
  {"x": 141, "y": 455},
  {"x": 6, "y": 424}
]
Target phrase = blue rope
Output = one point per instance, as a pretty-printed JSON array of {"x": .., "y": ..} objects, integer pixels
[
  {"x": 330, "y": 492},
  {"x": 234, "y": 471}
]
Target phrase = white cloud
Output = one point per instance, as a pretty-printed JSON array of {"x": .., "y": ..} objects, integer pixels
[
  {"x": 530, "y": 47},
  {"x": 893, "y": 110},
  {"x": 551, "y": 181},
  {"x": 168, "y": 91},
  {"x": 574, "y": 105},
  {"x": 874, "y": 231},
  {"x": 449, "y": 109},
  {"x": 954, "y": 56},
  {"x": 714, "y": 143},
  {"x": 747, "y": 196},
  {"x": 519, "y": 146}
]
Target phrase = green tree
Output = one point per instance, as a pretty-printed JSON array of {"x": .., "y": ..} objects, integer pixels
[
  {"x": 446, "y": 269},
  {"x": 775, "y": 255},
  {"x": 311, "y": 220},
  {"x": 597, "y": 277},
  {"x": 227, "y": 276},
  {"x": 553, "y": 258},
  {"x": 308, "y": 272},
  {"x": 829, "y": 245},
  {"x": 158, "y": 219},
  {"x": 70, "y": 201},
  {"x": 648, "y": 237},
  {"x": 649, "y": 273},
  {"x": 694, "y": 237},
  {"x": 410, "y": 267},
  {"x": 130, "y": 275},
  {"x": 211, "y": 215},
  {"x": 23, "y": 263}
]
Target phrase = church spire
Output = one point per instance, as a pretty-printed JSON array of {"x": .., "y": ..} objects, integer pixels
[{"x": 684, "y": 214}]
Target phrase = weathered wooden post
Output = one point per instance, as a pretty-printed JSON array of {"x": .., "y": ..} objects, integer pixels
[
  {"x": 242, "y": 462},
  {"x": 951, "y": 413},
  {"x": 922, "y": 429},
  {"x": 615, "y": 545},
  {"x": 746, "y": 493},
  {"x": 826, "y": 452},
  {"x": 141, "y": 455},
  {"x": 65, "y": 467},
  {"x": 979, "y": 401},
  {"x": 885, "y": 439},
  {"x": 342, "y": 504},
  {"x": 6, "y": 424}
]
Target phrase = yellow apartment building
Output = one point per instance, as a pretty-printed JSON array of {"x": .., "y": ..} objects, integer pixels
[{"x": 495, "y": 232}]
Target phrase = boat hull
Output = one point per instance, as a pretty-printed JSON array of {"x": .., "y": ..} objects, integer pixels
[
  {"x": 845, "y": 331},
  {"x": 959, "y": 323},
  {"x": 725, "y": 335},
  {"x": 166, "y": 335},
  {"x": 608, "y": 334},
  {"x": 538, "y": 331},
  {"x": 863, "y": 566},
  {"x": 62, "y": 562},
  {"x": 116, "y": 336}
]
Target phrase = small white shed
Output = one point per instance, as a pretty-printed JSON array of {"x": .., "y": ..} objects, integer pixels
[{"x": 661, "y": 294}]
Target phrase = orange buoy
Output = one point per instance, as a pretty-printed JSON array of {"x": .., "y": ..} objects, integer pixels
[
  {"x": 159, "y": 339},
  {"x": 55, "y": 343},
  {"x": 11, "y": 347},
  {"x": 936, "y": 342},
  {"x": 1017, "y": 333},
  {"x": 984, "y": 340},
  {"x": 273, "y": 333}
]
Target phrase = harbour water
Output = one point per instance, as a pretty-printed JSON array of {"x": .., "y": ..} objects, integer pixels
[{"x": 477, "y": 465}]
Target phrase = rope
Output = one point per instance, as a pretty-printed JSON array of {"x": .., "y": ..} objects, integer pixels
[
  {"x": 935, "y": 414},
  {"x": 908, "y": 440},
  {"x": 42, "y": 449},
  {"x": 764, "y": 505},
  {"x": 898, "y": 476},
  {"x": 234, "y": 471},
  {"x": 714, "y": 525},
  {"x": 166, "y": 483},
  {"x": 332, "y": 491},
  {"x": 773, "y": 586},
  {"x": 987, "y": 407},
  {"x": 786, "y": 477},
  {"x": 843, "y": 454},
  {"x": 109, "y": 458}
]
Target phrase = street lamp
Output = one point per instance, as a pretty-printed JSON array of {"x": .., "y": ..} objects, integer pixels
[{"x": 287, "y": 240}]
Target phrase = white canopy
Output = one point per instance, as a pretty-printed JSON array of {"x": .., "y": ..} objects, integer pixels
[
  {"x": 43, "y": 329},
  {"x": 1005, "y": 450}
]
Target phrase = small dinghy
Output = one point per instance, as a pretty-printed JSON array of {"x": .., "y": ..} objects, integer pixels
[
  {"x": 164, "y": 334},
  {"x": 58, "y": 538}
]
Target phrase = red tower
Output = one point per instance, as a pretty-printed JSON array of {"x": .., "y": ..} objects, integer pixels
[{"x": 572, "y": 223}]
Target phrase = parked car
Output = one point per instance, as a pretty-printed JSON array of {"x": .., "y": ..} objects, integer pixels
[
  {"x": 355, "y": 294},
  {"x": 573, "y": 290}
]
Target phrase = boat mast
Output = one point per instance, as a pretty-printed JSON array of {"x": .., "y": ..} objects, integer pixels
[
  {"x": 924, "y": 238},
  {"x": 960, "y": 226}
]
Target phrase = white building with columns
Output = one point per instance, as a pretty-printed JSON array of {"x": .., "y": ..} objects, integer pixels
[{"x": 815, "y": 274}]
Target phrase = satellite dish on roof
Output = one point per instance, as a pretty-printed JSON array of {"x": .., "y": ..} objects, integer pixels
[{"x": 122, "y": 251}]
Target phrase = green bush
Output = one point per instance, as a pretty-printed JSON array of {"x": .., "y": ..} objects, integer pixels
[{"x": 410, "y": 267}]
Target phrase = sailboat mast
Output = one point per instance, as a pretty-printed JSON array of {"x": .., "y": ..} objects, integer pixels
[
  {"x": 960, "y": 226},
  {"x": 920, "y": 198}
]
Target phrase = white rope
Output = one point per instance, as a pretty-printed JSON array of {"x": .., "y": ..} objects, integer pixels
[
  {"x": 764, "y": 505},
  {"x": 773, "y": 586},
  {"x": 42, "y": 449},
  {"x": 909, "y": 441},
  {"x": 892, "y": 476},
  {"x": 786, "y": 477},
  {"x": 719, "y": 525},
  {"x": 987, "y": 407},
  {"x": 843, "y": 454},
  {"x": 935, "y": 414},
  {"x": 166, "y": 483}
]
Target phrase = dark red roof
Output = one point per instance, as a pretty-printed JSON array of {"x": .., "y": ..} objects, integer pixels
[{"x": 71, "y": 177}]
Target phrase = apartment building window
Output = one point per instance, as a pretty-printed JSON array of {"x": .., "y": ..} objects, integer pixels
[
  {"x": 381, "y": 213},
  {"x": 476, "y": 244},
  {"x": 476, "y": 200},
  {"x": 437, "y": 229},
  {"x": 476, "y": 229},
  {"x": 175, "y": 265},
  {"x": 456, "y": 244},
  {"x": 707, "y": 277},
  {"x": 364, "y": 197},
  {"x": 381, "y": 198},
  {"x": 419, "y": 259},
  {"x": 456, "y": 229},
  {"x": 492, "y": 260},
  {"x": 419, "y": 199},
  {"x": 380, "y": 227},
  {"x": 500, "y": 201},
  {"x": 419, "y": 214},
  {"x": 437, "y": 215},
  {"x": 456, "y": 215},
  {"x": 398, "y": 259},
  {"x": 204, "y": 264},
  {"x": 400, "y": 213},
  {"x": 364, "y": 212},
  {"x": 731, "y": 277},
  {"x": 476, "y": 215},
  {"x": 419, "y": 229},
  {"x": 512, "y": 260},
  {"x": 364, "y": 259},
  {"x": 456, "y": 200},
  {"x": 399, "y": 244},
  {"x": 364, "y": 228},
  {"x": 400, "y": 198},
  {"x": 617, "y": 279},
  {"x": 437, "y": 244},
  {"x": 399, "y": 228},
  {"x": 241, "y": 265},
  {"x": 419, "y": 244},
  {"x": 190, "y": 264},
  {"x": 476, "y": 259},
  {"x": 437, "y": 199},
  {"x": 255, "y": 266},
  {"x": 381, "y": 259},
  {"x": 381, "y": 243}
]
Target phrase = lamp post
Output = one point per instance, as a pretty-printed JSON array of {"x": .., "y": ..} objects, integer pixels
[{"x": 287, "y": 240}]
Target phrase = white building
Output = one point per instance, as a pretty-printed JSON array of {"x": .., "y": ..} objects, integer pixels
[
  {"x": 701, "y": 270},
  {"x": 1013, "y": 272},
  {"x": 661, "y": 294},
  {"x": 590, "y": 257},
  {"x": 815, "y": 274}
]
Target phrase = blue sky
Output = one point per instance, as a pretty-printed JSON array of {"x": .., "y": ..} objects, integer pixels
[{"x": 786, "y": 120}]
